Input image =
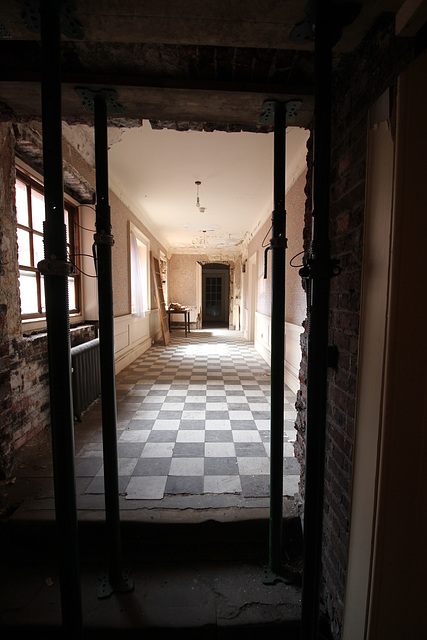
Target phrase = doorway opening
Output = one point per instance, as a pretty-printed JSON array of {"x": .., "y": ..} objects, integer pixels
[{"x": 215, "y": 295}]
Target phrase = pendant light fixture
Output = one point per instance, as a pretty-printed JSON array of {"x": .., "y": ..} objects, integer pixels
[{"x": 198, "y": 183}]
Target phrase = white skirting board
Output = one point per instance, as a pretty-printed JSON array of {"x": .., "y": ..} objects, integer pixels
[{"x": 292, "y": 354}]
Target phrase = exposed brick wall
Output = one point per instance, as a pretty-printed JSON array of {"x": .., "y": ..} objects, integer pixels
[
  {"x": 346, "y": 234},
  {"x": 6, "y": 447},
  {"x": 29, "y": 374},
  {"x": 24, "y": 398},
  {"x": 359, "y": 80}
]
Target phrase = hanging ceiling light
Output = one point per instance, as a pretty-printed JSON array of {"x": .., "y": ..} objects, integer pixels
[{"x": 198, "y": 183}]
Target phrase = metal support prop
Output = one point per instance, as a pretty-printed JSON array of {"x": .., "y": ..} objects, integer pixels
[
  {"x": 318, "y": 271},
  {"x": 104, "y": 241},
  {"x": 58, "y": 327},
  {"x": 278, "y": 250}
]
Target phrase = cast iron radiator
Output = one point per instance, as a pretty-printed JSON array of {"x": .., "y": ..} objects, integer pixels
[{"x": 86, "y": 375}]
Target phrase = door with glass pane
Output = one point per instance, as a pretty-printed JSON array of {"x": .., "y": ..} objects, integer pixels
[{"x": 215, "y": 296}]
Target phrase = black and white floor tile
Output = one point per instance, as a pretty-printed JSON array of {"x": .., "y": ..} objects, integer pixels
[{"x": 193, "y": 419}]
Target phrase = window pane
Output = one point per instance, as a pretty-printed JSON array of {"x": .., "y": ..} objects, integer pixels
[
  {"x": 71, "y": 294},
  {"x": 28, "y": 287},
  {"x": 38, "y": 245},
  {"x": 21, "y": 203},
  {"x": 42, "y": 295},
  {"x": 24, "y": 252},
  {"x": 37, "y": 210},
  {"x": 66, "y": 222}
]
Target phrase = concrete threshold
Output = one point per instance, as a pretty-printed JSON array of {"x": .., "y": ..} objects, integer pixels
[{"x": 204, "y": 578}]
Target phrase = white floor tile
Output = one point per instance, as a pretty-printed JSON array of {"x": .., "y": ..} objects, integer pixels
[
  {"x": 187, "y": 467},
  {"x": 158, "y": 450},
  {"x": 241, "y": 415},
  {"x": 222, "y": 484},
  {"x": 134, "y": 435},
  {"x": 190, "y": 435},
  {"x": 290, "y": 485},
  {"x": 217, "y": 425},
  {"x": 219, "y": 450},
  {"x": 253, "y": 466},
  {"x": 243, "y": 435},
  {"x": 166, "y": 425},
  {"x": 146, "y": 488}
]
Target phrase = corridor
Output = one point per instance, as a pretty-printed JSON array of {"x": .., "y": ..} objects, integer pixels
[{"x": 193, "y": 428}]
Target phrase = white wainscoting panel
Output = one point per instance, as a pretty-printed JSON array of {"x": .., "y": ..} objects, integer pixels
[
  {"x": 245, "y": 324},
  {"x": 263, "y": 335},
  {"x": 292, "y": 354},
  {"x": 133, "y": 336}
]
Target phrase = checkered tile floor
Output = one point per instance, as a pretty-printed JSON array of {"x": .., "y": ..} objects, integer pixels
[{"x": 194, "y": 420}]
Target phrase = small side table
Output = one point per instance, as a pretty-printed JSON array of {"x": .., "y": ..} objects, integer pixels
[{"x": 184, "y": 312}]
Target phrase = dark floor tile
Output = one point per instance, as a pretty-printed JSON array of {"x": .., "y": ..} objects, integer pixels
[
  {"x": 176, "y": 485},
  {"x": 291, "y": 467},
  {"x": 217, "y": 415},
  {"x": 141, "y": 424},
  {"x": 87, "y": 466},
  {"x": 152, "y": 467},
  {"x": 194, "y": 406},
  {"x": 129, "y": 449},
  {"x": 169, "y": 415},
  {"x": 261, "y": 415},
  {"x": 192, "y": 424},
  {"x": 221, "y": 467},
  {"x": 255, "y": 486},
  {"x": 160, "y": 435},
  {"x": 237, "y": 406},
  {"x": 250, "y": 449},
  {"x": 243, "y": 424},
  {"x": 224, "y": 435},
  {"x": 189, "y": 449}
]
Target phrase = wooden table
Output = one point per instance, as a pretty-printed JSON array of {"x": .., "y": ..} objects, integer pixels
[{"x": 185, "y": 313}]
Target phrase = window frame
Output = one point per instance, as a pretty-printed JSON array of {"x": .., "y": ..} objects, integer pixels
[{"x": 38, "y": 319}]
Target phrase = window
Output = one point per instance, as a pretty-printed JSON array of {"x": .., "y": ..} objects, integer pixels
[
  {"x": 30, "y": 214},
  {"x": 139, "y": 272}
]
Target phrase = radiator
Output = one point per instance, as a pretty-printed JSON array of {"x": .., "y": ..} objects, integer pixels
[{"x": 86, "y": 375}]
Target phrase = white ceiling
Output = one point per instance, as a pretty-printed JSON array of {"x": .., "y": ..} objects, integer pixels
[{"x": 154, "y": 173}]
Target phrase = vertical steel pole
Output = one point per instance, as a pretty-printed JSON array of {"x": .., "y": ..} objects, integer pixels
[
  {"x": 320, "y": 272},
  {"x": 54, "y": 268},
  {"x": 278, "y": 249},
  {"x": 104, "y": 242}
]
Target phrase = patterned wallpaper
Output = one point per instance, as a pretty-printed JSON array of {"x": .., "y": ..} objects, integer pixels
[{"x": 182, "y": 279}]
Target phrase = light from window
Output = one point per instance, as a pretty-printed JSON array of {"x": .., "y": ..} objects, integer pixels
[
  {"x": 30, "y": 215},
  {"x": 139, "y": 275}
]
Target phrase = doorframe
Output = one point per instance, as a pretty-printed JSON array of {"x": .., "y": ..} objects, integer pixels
[
  {"x": 388, "y": 596},
  {"x": 372, "y": 353},
  {"x": 222, "y": 270}
]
